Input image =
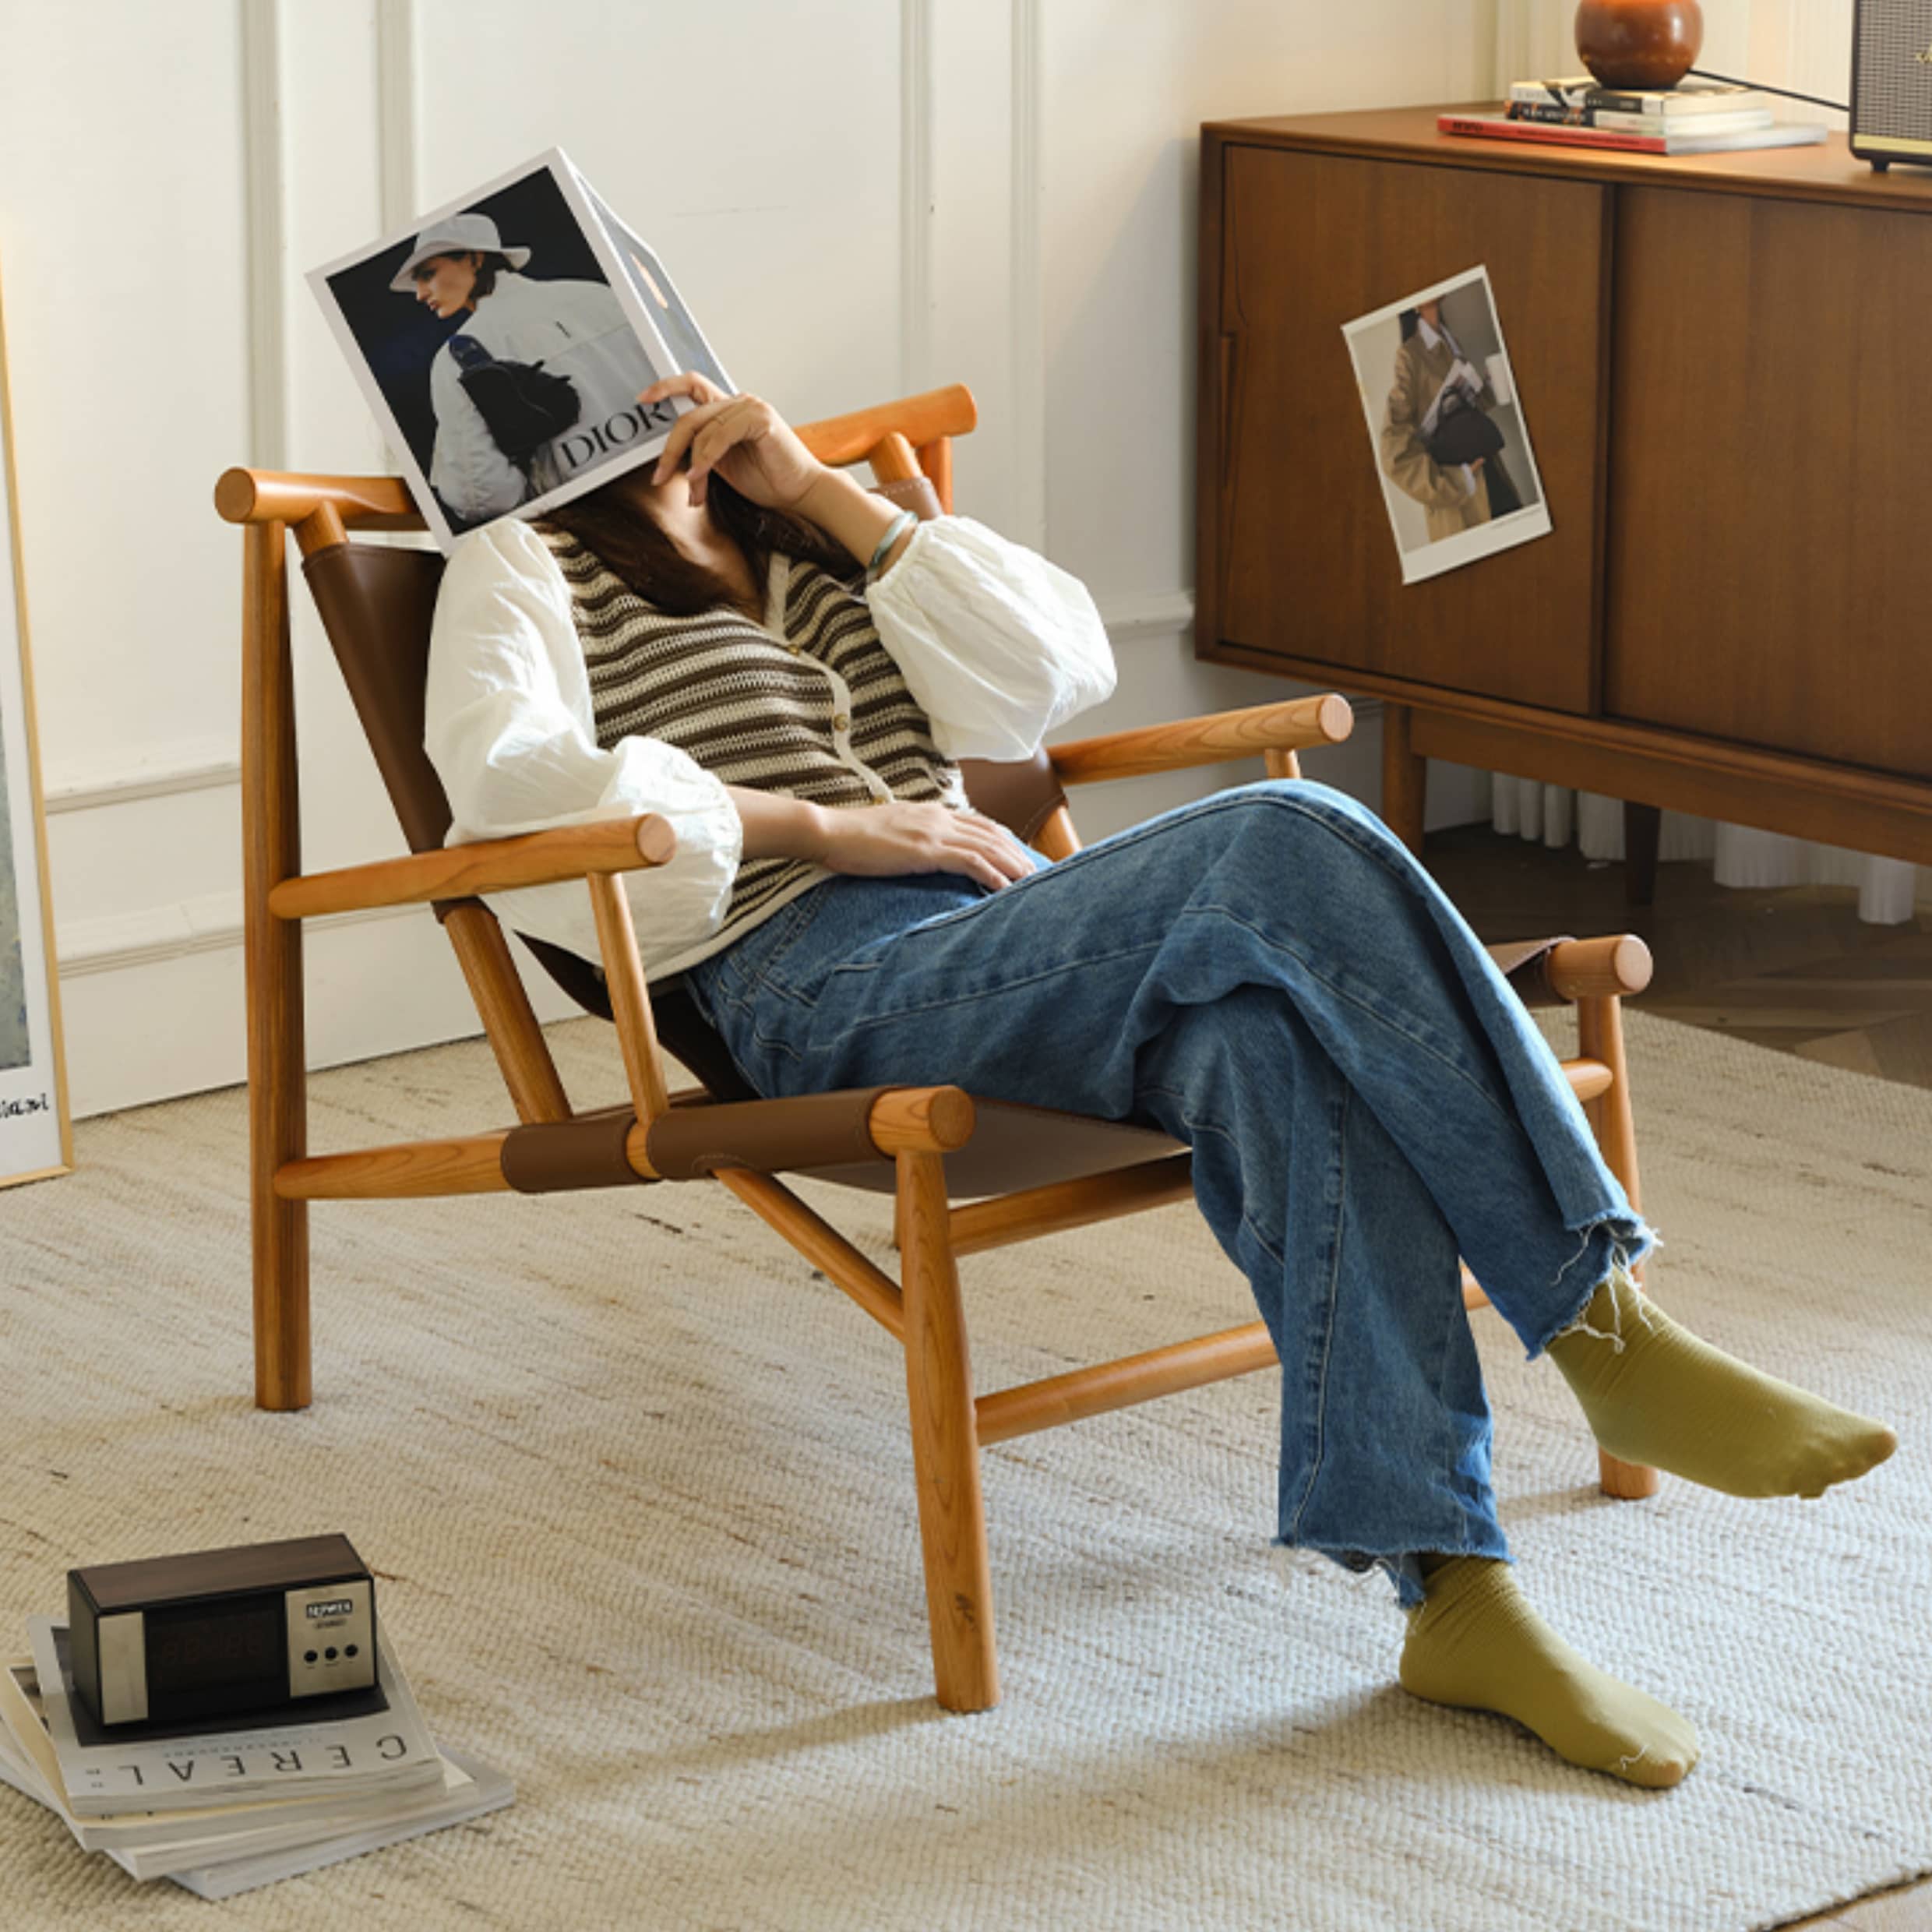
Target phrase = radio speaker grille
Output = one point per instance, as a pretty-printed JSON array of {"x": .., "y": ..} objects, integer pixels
[{"x": 1892, "y": 78}]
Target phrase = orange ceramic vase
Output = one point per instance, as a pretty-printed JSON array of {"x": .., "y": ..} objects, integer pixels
[{"x": 1639, "y": 42}]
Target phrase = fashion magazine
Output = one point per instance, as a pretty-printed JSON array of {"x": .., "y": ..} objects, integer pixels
[{"x": 502, "y": 341}]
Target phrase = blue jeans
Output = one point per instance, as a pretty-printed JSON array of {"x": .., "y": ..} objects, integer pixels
[{"x": 1269, "y": 975}]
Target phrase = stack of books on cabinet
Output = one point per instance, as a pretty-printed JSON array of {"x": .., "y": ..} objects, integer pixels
[
  {"x": 1695, "y": 117},
  {"x": 222, "y": 1808}
]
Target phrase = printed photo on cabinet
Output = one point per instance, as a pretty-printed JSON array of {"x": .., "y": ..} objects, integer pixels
[
  {"x": 36, "y": 1137},
  {"x": 502, "y": 341},
  {"x": 1446, "y": 426}
]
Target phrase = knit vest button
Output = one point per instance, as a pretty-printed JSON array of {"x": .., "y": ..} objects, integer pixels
[{"x": 840, "y": 722}]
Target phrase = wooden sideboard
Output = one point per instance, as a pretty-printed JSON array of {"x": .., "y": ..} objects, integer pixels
[{"x": 1723, "y": 365}]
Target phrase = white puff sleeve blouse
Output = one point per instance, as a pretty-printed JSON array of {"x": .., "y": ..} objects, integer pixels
[{"x": 998, "y": 647}]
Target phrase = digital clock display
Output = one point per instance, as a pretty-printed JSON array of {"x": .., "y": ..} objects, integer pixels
[{"x": 197, "y": 1646}]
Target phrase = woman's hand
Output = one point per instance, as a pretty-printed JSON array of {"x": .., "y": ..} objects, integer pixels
[
  {"x": 742, "y": 438},
  {"x": 883, "y": 840}
]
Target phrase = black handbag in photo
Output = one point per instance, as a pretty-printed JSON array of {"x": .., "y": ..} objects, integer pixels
[
  {"x": 1463, "y": 431},
  {"x": 523, "y": 404}
]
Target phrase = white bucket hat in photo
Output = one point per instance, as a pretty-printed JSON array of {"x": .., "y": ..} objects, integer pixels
[{"x": 455, "y": 235}]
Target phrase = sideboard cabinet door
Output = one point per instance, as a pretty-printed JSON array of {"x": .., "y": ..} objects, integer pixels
[
  {"x": 1306, "y": 564},
  {"x": 1770, "y": 555}
]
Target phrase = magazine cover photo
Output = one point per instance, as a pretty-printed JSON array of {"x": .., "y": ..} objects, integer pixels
[
  {"x": 503, "y": 344},
  {"x": 1446, "y": 427}
]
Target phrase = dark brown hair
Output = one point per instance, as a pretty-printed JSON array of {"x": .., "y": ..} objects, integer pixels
[{"x": 638, "y": 552}]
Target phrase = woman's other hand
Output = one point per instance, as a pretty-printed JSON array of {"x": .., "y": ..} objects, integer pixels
[
  {"x": 884, "y": 840},
  {"x": 742, "y": 437}
]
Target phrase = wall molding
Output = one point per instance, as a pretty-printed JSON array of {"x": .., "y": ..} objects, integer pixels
[
  {"x": 396, "y": 110},
  {"x": 207, "y": 925},
  {"x": 193, "y": 765},
  {"x": 265, "y": 177},
  {"x": 918, "y": 210},
  {"x": 1027, "y": 269},
  {"x": 1147, "y": 614}
]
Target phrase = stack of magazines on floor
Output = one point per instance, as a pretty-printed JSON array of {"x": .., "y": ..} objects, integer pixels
[
  {"x": 1695, "y": 117},
  {"x": 221, "y": 1809}
]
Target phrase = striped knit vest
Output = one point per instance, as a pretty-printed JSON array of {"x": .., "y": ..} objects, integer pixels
[{"x": 755, "y": 707}]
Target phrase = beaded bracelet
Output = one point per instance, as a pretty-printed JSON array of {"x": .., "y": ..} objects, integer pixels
[{"x": 905, "y": 520}]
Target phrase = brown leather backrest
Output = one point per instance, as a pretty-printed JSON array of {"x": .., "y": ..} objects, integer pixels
[
  {"x": 376, "y": 604},
  {"x": 1022, "y": 796}
]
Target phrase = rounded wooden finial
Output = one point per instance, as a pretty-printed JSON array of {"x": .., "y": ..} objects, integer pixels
[
  {"x": 1634, "y": 964},
  {"x": 234, "y": 495}
]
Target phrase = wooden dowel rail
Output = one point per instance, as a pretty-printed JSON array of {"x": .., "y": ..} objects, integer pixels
[
  {"x": 1289, "y": 725},
  {"x": 1121, "y": 1384},
  {"x": 383, "y": 503},
  {"x": 822, "y": 1244},
  {"x": 921, "y": 419},
  {"x": 409, "y": 1170},
  {"x": 1036, "y": 1211},
  {"x": 461, "y": 871},
  {"x": 630, "y": 1001},
  {"x": 268, "y": 496}
]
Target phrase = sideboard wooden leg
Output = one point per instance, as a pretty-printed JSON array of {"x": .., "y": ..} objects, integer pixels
[
  {"x": 1641, "y": 826},
  {"x": 1405, "y": 779}
]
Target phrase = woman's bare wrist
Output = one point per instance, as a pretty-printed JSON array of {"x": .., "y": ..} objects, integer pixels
[
  {"x": 780, "y": 826},
  {"x": 853, "y": 516}
]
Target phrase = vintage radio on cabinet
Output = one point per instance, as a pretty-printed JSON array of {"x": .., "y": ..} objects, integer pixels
[
  {"x": 1720, "y": 359},
  {"x": 1891, "y": 82}
]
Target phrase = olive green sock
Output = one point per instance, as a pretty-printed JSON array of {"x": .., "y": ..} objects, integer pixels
[
  {"x": 1475, "y": 1643},
  {"x": 1656, "y": 1394}
]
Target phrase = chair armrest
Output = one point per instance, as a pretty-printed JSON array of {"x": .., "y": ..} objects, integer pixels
[
  {"x": 497, "y": 864},
  {"x": 1212, "y": 740}
]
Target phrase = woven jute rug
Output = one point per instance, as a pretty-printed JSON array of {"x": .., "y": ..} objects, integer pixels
[{"x": 638, "y": 1489}]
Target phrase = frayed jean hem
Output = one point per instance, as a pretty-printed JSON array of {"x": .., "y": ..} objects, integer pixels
[
  {"x": 1630, "y": 1238},
  {"x": 1403, "y": 1567}
]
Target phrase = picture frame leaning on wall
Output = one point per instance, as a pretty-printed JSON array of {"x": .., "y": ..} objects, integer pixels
[{"x": 36, "y": 1139}]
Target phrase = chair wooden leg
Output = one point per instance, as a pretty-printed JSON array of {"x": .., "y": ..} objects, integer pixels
[
  {"x": 277, "y": 1081},
  {"x": 1600, "y": 1036},
  {"x": 945, "y": 1444}
]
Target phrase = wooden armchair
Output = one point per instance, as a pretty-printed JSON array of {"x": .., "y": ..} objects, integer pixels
[{"x": 1018, "y": 1170}]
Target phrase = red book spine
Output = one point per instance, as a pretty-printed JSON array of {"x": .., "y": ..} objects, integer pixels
[{"x": 1502, "y": 130}]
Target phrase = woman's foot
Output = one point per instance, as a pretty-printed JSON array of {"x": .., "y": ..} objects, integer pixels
[
  {"x": 1655, "y": 1393},
  {"x": 1475, "y": 1643}
]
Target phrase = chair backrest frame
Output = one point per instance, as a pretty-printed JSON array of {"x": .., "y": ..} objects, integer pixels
[{"x": 909, "y": 445}]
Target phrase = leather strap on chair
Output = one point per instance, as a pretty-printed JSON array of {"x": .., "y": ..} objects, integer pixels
[
  {"x": 1525, "y": 964},
  {"x": 552, "y": 1156},
  {"x": 769, "y": 1136}
]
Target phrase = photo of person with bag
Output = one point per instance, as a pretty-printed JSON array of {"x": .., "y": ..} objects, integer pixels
[
  {"x": 1451, "y": 447},
  {"x": 1438, "y": 442},
  {"x": 538, "y": 382}
]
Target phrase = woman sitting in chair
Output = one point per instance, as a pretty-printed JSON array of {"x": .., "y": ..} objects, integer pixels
[{"x": 778, "y": 662}]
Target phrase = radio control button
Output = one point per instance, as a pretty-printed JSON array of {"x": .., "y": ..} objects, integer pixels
[
  {"x": 330, "y": 1653},
  {"x": 308, "y": 1656},
  {"x": 350, "y": 1652}
]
